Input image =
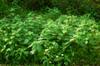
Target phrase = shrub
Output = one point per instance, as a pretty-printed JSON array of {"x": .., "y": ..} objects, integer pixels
[
  {"x": 16, "y": 34},
  {"x": 74, "y": 6},
  {"x": 77, "y": 7},
  {"x": 67, "y": 40},
  {"x": 53, "y": 13}
]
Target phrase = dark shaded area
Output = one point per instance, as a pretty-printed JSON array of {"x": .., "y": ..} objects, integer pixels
[{"x": 76, "y": 7}]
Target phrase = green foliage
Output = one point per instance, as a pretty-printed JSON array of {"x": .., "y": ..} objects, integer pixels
[
  {"x": 53, "y": 13},
  {"x": 76, "y": 7},
  {"x": 70, "y": 39},
  {"x": 3, "y": 8},
  {"x": 64, "y": 40},
  {"x": 16, "y": 34},
  {"x": 72, "y": 6},
  {"x": 46, "y": 36}
]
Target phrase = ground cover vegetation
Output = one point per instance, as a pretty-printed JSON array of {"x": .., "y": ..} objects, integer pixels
[{"x": 50, "y": 32}]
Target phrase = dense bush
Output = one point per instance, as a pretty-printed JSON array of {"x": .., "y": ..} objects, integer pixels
[
  {"x": 67, "y": 40},
  {"x": 3, "y": 8},
  {"x": 16, "y": 34},
  {"x": 76, "y": 6},
  {"x": 37, "y": 31}
]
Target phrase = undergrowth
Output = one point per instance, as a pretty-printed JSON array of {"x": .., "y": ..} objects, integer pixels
[{"x": 49, "y": 38}]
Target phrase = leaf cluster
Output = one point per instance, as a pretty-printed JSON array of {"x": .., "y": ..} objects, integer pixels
[{"x": 64, "y": 40}]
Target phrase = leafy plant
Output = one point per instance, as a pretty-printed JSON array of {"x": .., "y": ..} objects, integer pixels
[
  {"x": 70, "y": 39},
  {"x": 49, "y": 39},
  {"x": 16, "y": 34}
]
